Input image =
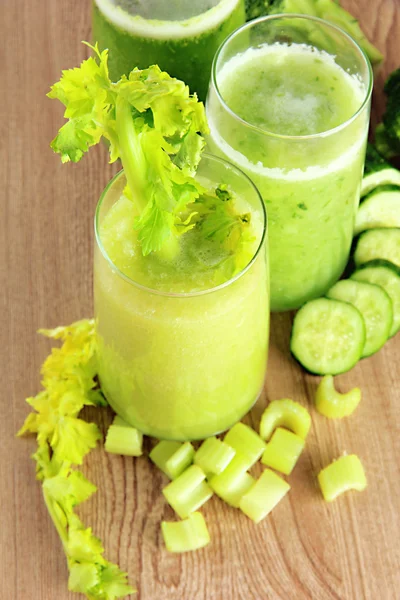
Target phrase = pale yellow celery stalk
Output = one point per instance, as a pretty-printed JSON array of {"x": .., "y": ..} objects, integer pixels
[
  {"x": 333, "y": 404},
  {"x": 344, "y": 474}
]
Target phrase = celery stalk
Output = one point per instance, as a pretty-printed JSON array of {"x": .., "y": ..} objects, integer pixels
[
  {"x": 173, "y": 458},
  {"x": 333, "y": 404},
  {"x": 184, "y": 536},
  {"x": 344, "y": 474},
  {"x": 265, "y": 494},
  {"x": 123, "y": 439},
  {"x": 246, "y": 442},
  {"x": 233, "y": 482},
  {"x": 213, "y": 456},
  {"x": 283, "y": 451},
  {"x": 285, "y": 413},
  {"x": 188, "y": 492}
]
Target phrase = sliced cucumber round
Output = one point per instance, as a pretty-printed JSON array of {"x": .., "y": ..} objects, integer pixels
[
  {"x": 374, "y": 179},
  {"x": 328, "y": 336},
  {"x": 381, "y": 208},
  {"x": 387, "y": 277},
  {"x": 375, "y": 307},
  {"x": 378, "y": 243}
]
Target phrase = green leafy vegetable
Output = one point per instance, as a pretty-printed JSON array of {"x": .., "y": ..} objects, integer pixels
[
  {"x": 151, "y": 123},
  {"x": 387, "y": 134},
  {"x": 330, "y": 10},
  {"x": 68, "y": 378}
]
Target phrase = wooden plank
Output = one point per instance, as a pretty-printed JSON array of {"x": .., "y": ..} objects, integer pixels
[{"x": 345, "y": 551}]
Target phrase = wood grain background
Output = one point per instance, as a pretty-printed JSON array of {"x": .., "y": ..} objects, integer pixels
[{"x": 306, "y": 549}]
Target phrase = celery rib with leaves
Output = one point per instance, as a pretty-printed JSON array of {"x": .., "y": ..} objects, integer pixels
[{"x": 68, "y": 379}]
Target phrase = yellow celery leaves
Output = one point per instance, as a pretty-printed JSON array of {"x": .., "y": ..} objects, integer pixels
[{"x": 69, "y": 381}]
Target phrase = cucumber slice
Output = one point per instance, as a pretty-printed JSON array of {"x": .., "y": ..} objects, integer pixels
[
  {"x": 378, "y": 244},
  {"x": 377, "y": 172},
  {"x": 388, "y": 176},
  {"x": 375, "y": 307},
  {"x": 387, "y": 278},
  {"x": 328, "y": 336},
  {"x": 381, "y": 208}
]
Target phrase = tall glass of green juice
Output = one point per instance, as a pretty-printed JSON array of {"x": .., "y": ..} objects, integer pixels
[
  {"x": 289, "y": 103},
  {"x": 181, "y": 36},
  {"x": 182, "y": 346}
]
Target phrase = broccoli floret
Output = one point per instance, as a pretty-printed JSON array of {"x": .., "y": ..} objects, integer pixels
[
  {"x": 387, "y": 134},
  {"x": 256, "y": 8},
  {"x": 330, "y": 10},
  {"x": 374, "y": 161}
]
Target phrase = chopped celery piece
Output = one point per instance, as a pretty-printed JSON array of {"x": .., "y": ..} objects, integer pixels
[
  {"x": 265, "y": 494},
  {"x": 285, "y": 413},
  {"x": 246, "y": 442},
  {"x": 173, "y": 458},
  {"x": 186, "y": 535},
  {"x": 346, "y": 473},
  {"x": 333, "y": 404},
  {"x": 283, "y": 451},
  {"x": 123, "y": 439},
  {"x": 233, "y": 482},
  {"x": 188, "y": 492},
  {"x": 213, "y": 456}
]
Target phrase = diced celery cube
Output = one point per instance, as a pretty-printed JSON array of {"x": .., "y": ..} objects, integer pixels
[
  {"x": 342, "y": 475},
  {"x": 233, "y": 482},
  {"x": 246, "y": 442},
  {"x": 184, "y": 536},
  {"x": 283, "y": 451},
  {"x": 264, "y": 495},
  {"x": 285, "y": 413},
  {"x": 213, "y": 456},
  {"x": 173, "y": 458},
  {"x": 188, "y": 492},
  {"x": 123, "y": 439}
]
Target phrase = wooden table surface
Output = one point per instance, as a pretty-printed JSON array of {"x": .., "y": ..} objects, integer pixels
[{"x": 348, "y": 550}]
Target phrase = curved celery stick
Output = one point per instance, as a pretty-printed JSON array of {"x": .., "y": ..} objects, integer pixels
[
  {"x": 246, "y": 442},
  {"x": 213, "y": 456},
  {"x": 265, "y": 494},
  {"x": 283, "y": 451},
  {"x": 188, "y": 492},
  {"x": 183, "y": 536},
  {"x": 123, "y": 439},
  {"x": 333, "y": 404},
  {"x": 173, "y": 458},
  {"x": 285, "y": 413},
  {"x": 233, "y": 482},
  {"x": 346, "y": 473}
]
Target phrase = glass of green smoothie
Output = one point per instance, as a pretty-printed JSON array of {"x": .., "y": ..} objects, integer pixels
[
  {"x": 181, "y": 36},
  {"x": 289, "y": 103},
  {"x": 182, "y": 344}
]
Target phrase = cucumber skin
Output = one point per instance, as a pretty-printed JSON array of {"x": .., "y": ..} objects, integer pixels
[
  {"x": 387, "y": 265},
  {"x": 317, "y": 372},
  {"x": 380, "y": 262}
]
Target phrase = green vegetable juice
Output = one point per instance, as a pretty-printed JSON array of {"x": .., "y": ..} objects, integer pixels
[
  {"x": 272, "y": 102},
  {"x": 182, "y": 348},
  {"x": 181, "y": 36}
]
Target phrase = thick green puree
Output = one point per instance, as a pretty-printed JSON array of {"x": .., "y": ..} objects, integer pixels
[
  {"x": 180, "y": 36},
  {"x": 310, "y": 185},
  {"x": 178, "y": 359}
]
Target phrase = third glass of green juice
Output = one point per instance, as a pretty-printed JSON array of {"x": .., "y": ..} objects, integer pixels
[
  {"x": 180, "y": 36},
  {"x": 289, "y": 103},
  {"x": 182, "y": 339}
]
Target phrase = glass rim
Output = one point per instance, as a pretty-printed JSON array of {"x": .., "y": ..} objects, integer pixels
[
  {"x": 156, "y": 292},
  {"x": 164, "y": 29},
  {"x": 280, "y": 136}
]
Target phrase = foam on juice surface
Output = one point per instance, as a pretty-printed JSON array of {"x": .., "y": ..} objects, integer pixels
[{"x": 290, "y": 91}]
